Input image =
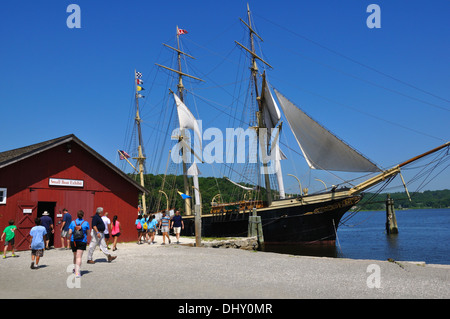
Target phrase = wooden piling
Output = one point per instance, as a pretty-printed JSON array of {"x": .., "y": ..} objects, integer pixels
[
  {"x": 391, "y": 220},
  {"x": 255, "y": 227}
]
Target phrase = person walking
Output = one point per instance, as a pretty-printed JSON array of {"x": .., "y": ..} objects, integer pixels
[
  {"x": 177, "y": 224},
  {"x": 98, "y": 238},
  {"x": 140, "y": 227},
  {"x": 115, "y": 231},
  {"x": 107, "y": 222},
  {"x": 78, "y": 230},
  {"x": 38, "y": 235},
  {"x": 164, "y": 224},
  {"x": 47, "y": 222},
  {"x": 9, "y": 234},
  {"x": 67, "y": 219},
  {"x": 152, "y": 224}
]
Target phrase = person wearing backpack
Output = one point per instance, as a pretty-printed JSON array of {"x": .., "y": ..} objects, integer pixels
[
  {"x": 140, "y": 227},
  {"x": 78, "y": 230}
]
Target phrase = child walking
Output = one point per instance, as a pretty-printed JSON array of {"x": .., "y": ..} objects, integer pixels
[
  {"x": 38, "y": 236},
  {"x": 9, "y": 235},
  {"x": 115, "y": 231}
]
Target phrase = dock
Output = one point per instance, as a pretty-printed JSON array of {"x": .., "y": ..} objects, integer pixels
[{"x": 178, "y": 271}]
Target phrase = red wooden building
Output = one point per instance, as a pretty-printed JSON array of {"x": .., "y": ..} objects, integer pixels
[{"x": 63, "y": 173}]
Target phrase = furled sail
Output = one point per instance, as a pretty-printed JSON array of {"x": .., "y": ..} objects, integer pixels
[{"x": 322, "y": 149}]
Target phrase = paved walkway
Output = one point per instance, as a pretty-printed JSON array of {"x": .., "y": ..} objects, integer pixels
[{"x": 182, "y": 272}]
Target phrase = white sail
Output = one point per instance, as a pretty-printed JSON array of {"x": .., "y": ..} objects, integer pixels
[
  {"x": 278, "y": 172},
  {"x": 186, "y": 119},
  {"x": 272, "y": 116},
  {"x": 322, "y": 149},
  {"x": 271, "y": 111},
  {"x": 194, "y": 171}
]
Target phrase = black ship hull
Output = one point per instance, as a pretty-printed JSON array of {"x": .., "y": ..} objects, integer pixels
[{"x": 287, "y": 224}]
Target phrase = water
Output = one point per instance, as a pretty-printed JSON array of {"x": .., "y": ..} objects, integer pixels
[{"x": 424, "y": 235}]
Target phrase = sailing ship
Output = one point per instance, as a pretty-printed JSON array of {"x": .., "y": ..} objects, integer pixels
[{"x": 305, "y": 218}]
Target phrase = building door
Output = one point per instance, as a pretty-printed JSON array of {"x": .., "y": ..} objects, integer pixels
[
  {"x": 50, "y": 208},
  {"x": 25, "y": 215}
]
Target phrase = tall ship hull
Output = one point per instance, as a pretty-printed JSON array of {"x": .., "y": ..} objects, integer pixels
[
  {"x": 286, "y": 221},
  {"x": 259, "y": 192}
]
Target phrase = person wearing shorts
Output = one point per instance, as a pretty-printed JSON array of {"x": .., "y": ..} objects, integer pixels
[
  {"x": 164, "y": 224},
  {"x": 152, "y": 229},
  {"x": 9, "y": 235},
  {"x": 67, "y": 219},
  {"x": 115, "y": 231},
  {"x": 78, "y": 246},
  {"x": 140, "y": 227},
  {"x": 177, "y": 224},
  {"x": 38, "y": 236}
]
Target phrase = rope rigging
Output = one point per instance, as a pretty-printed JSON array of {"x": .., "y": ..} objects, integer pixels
[{"x": 161, "y": 136}]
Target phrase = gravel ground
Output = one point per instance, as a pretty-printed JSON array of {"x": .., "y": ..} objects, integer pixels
[{"x": 182, "y": 272}]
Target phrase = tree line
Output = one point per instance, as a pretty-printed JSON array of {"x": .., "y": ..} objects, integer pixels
[
  {"x": 426, "y": 199},
  {"x": 211, "y": 187}
]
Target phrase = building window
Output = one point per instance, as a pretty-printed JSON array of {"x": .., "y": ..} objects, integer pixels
[{"x": 2, "y": 195}]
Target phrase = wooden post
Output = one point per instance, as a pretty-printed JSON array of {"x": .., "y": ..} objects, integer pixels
[
  {"x": 391, "y": 220},
  {"x": 255, "y": 227},
  {"x": 198, "y": 225}
]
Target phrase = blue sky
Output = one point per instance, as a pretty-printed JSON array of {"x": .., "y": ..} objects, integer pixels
[{"x": 384, "y": 91}]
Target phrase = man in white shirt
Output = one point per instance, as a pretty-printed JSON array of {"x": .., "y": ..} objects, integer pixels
[{"x": 107, "y": 222}]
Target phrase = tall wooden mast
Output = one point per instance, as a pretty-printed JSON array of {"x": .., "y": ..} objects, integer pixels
[
  {"x": 259, "y": 113},
  {"x": 180, "y": 86},
  {"x": 140, "y": 158}
]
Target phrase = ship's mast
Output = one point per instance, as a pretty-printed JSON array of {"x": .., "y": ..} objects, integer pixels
[
  {"x": 140, "y": 158},
  {"x": 259, "y": 98},
  {"x": 187, "y": 201}
]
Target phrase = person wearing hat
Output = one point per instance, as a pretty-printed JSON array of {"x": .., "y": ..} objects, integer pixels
[{"x": 47, "y": 222}]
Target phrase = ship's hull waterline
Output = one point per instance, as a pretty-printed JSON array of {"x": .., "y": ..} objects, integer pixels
[{"x": 292, "y": 223}]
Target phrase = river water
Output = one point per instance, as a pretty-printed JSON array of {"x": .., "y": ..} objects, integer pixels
[{"x": 424, "y": 235}]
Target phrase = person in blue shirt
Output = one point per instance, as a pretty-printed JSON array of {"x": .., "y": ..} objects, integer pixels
[
  {"x": 78, "y": 245},
  {"x": 152, "y": 224},
  {"x": 67, "y": 219},
  {"x": 38, "y": 233},
  {"x": 140, "y": 221}
]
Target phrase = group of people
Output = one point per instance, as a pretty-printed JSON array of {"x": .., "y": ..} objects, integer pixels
[
  {"x": 78, "y": 229},
  {"x": 147, "y": 226},
  {"x": 73, "y": 234}
]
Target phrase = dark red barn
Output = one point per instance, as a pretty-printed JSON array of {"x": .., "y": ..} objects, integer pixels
[{"x": 63, "y": 173}]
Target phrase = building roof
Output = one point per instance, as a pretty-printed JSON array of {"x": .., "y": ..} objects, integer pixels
[{"x": 16, "y": 155}]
